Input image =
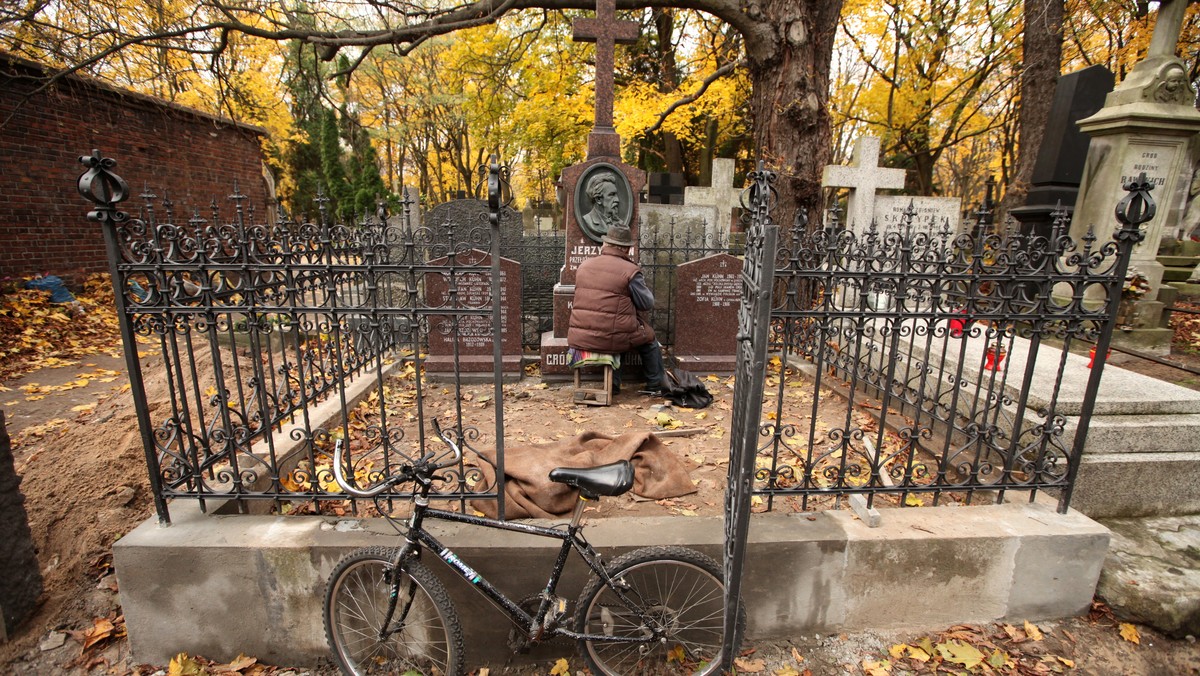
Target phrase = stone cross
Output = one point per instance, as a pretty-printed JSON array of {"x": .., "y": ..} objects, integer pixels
[
  {"x": 863, "y": 177},
  {"x": 721, "y": 195},
  {"x": 1168, "y": 23},
  {"x": 606, "y": 31}
]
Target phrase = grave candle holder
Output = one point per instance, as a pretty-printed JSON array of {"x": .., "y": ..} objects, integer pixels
[
  {"x": 993, "y": 358},
  {"x": 1092, "y": 356}
]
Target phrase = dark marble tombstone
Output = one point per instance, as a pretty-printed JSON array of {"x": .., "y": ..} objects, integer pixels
[
  {"x": 21, "y": 584},
  {"x": 1058, "y": 169},
  {"x": 666, "y": 188},
  {"x": 707, "y": 295},
  {"x": 473, "y": 335}
]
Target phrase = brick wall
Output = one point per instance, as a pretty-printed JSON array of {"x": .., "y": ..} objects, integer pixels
[{"x": 187, "y": 155}]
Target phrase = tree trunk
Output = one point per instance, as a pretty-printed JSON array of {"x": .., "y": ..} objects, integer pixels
[
  {"x": 1042, "y": 57},
  {"x": 789, "y": 71}
]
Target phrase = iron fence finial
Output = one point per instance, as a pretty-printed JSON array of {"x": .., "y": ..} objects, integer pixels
[
  {"x": 1136, "y": 208},
  {"x": 101, "y": 186}
]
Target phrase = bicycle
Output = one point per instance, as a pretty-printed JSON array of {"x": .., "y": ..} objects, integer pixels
[{"x": 657, "y": 609}]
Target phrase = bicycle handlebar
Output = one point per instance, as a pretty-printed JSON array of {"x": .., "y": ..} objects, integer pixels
[{"x": 422, "y": 467}]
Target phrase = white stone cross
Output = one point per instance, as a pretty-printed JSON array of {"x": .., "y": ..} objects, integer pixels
[
  {"x": 864, "y": 176},
  {"x": 721, "y": 195}
]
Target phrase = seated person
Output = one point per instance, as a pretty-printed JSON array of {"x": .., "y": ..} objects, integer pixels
[{"x": 609, "y": 294}]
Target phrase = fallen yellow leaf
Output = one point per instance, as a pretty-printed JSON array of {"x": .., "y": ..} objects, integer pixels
[
  {"x": 182, "y": 665},
  {"x": 1130, "y": 633},
  {"x": 676, "y": 654},
  {"x": 960, "y": 653},
  {"x": 561, "y": 668},
  {"x": 238, "y": 664},
  {"x": 1032, "y": 631},
  {"x": 749, "y": 666}
]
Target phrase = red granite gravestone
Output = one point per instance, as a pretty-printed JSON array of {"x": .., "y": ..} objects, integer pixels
[
  {"x": 708, "y": 293},
  {"x": 472, "y": 280}
]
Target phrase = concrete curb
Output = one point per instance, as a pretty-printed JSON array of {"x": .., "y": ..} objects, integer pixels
[{"x": 219, "y": 585}]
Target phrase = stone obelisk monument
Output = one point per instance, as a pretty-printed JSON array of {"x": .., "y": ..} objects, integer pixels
[
  {"x": 1144, "y": 126},
  {"x": 599, "y": 192}
]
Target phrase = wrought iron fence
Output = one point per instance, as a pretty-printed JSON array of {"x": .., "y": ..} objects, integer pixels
[
  {"x": 276, "y": 339},
  {"x": 754, "y": 328},
  {"x": 906, "y": 360},
  {"x": 919, "y": 366}
]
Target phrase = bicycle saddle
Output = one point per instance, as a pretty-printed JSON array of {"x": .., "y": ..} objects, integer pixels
[{"x": 592, "y": 482}]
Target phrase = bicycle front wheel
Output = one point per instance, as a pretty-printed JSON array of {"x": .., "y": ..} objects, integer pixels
[
  {"x": 680, "y": 591},
  {"x": 423, "y": 634}
]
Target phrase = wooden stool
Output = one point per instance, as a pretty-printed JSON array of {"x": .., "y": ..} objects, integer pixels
[{"x": 593, "y": 396}]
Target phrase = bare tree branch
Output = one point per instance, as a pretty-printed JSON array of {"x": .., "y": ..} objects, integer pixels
[{"x": 716, "y": 75}]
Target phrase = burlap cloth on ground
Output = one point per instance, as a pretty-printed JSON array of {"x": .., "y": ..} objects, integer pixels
[{"x": 658, "y": 472}]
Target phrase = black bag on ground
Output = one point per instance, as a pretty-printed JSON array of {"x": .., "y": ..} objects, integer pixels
[{"x": 685, "y": 389}]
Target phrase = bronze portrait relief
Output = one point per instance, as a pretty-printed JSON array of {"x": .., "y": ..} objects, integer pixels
[{"x": 603, "y": 199}]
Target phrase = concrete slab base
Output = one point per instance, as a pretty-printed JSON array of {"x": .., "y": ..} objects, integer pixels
[{"x": 220, "y": 585}]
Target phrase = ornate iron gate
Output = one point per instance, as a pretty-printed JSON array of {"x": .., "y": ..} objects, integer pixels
[
  {"x": 915, "y": 328},
  {"x": 758, "y": 270}
]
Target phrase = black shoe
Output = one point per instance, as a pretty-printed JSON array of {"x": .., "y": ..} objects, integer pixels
[{"x": 616, "y": 389}]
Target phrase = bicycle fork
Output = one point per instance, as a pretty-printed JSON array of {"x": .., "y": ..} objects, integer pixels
[{"x": 386, "y": 629}]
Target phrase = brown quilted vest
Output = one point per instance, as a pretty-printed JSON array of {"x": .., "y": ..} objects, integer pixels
[{"x": 603, "y": 318}]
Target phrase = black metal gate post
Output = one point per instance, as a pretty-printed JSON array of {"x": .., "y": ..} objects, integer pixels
[
  {"x": 106, "y": 190},
  {"x": 1135, "y": 209},
  {"x": 754, "y": 316},
  {"x": 496, "y": 174}
]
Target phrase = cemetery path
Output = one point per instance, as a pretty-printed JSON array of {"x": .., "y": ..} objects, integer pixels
[{"x": 85, "y": 485}]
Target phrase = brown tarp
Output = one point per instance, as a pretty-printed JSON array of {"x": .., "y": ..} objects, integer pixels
[{"x": 658, "y": 472}]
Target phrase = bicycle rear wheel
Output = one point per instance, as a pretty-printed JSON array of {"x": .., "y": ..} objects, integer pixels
[
  {"x": 679, "y": 590},
  {"x": 426, "y": 637}
]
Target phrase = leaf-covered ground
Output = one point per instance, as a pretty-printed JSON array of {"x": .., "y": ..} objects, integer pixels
[{"x": 35, "y": 333}]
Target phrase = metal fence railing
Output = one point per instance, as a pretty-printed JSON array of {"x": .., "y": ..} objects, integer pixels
[
  {"x": 277, "y": 339},
  {"x": 931, "y": 365}
]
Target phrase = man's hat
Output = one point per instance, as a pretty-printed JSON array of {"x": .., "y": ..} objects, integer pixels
[{"x": 618, "y": 235}]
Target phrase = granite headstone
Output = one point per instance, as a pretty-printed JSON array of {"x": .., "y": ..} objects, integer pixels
[
  {"x": 721, "y": 196},
  {"x": 472, "y": 278},
  {"x": 932, "y": 215},
  {"x": 708, "y": 293},
  {"x": 863, "y": 177}
]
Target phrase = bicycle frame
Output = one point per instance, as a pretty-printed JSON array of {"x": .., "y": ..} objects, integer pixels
[{"x": 417, "y": 538}]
